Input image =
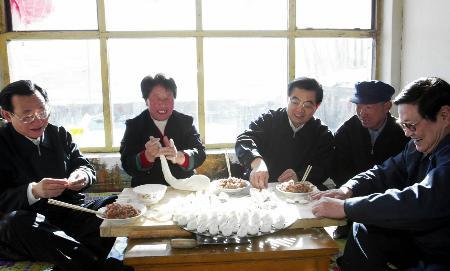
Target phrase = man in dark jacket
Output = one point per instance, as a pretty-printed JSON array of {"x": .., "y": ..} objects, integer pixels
[
  {"x": 39, "y": 161},
  {"x": 368, "y": 138},
  {"x": 280, "y": 144},
  {"x": 160, "y": 130},
  {"x": 401, "y": 208}
]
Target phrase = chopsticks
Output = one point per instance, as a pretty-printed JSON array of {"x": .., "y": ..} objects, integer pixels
[
  {"x": 75, "y": 207},
  {"x": 227, "y": 160},
  {"x": 308, "y": 169}
]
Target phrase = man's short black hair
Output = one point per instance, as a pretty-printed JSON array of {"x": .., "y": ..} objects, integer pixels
[
  {"x": 22, "y": 88},
  {"x": 148, "y": 83},
  {"x": 429, "y": 94},
  {"x": 309, "y": 84}
]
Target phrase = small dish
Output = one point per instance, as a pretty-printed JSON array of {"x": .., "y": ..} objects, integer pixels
[
  {"x": 150, "y": 193},
  {"x": 294, "y": 196},
  {"x": 140, "y": 207},
  {"x": 216, "y": 184}
]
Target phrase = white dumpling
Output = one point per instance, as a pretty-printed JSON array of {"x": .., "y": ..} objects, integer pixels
[
  {"x": 242, "y": 231},
  {"x": 253, "y": 229},
  {"x": 266, "y": 227},
  {"x": 279, "y": 222},
  {"x": 213, "y": 228},
  {"x": 192, "y": 224},
  {"x": 227, "y": 230}
]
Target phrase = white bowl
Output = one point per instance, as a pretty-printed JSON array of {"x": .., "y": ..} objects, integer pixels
[
  {"x": 232, "y": 191},
  {"x": 150, "y": 193}
]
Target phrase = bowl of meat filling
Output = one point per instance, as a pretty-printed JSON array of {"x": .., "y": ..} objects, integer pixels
[
  {"x": 122, "y": 213},
  {"x": 231, "y": 185},
  {"x": 295, "y": 190}
]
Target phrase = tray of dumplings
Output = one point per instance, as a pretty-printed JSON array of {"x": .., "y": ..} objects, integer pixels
[{"x": 255, "y": 215}]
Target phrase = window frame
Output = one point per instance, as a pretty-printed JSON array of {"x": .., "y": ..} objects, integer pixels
[{"x": 291, "y": 33}]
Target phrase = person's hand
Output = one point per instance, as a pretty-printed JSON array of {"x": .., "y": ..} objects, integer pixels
[
  {"x": 287, "y": 175},
  {"x": 259, "y": 176},
  {"x": 341, "y": 193},
  {"x": 152, "y": 148},
  {"x": 171, "y": 153},
  {"x": 77, "y": 180},
  {"x": 49, "y": 188},
  {"x": 329, "y": 208}
]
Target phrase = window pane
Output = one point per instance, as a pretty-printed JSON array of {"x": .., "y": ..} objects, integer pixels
[
  {"x": 53, "y": 15},
  {"x": 243, "y": 79},
  {"x": 150, "y": 15},
  {"x": 70, "y": 72},
  {"x": 345, "y": 14},
  {"x": 244, "y": 14},
  {"x": 337, "y": 63},
  {"x": 131, "y": 60}
]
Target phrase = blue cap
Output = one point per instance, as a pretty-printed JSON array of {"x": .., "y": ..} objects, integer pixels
[{"x": 372, "y": 92}]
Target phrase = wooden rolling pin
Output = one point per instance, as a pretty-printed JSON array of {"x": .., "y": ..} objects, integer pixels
[{"x": 159, "y": 233}]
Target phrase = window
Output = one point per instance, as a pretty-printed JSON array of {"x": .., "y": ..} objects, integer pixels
[{"x": 231, "y": 60}]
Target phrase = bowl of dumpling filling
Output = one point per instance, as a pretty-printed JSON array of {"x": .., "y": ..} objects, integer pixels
[
  {"x": 231, "y": 185},
  {"x": 295, "y": 190}
]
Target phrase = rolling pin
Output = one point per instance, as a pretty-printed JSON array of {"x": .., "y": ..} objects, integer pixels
[{"x": 159, "y": 233}]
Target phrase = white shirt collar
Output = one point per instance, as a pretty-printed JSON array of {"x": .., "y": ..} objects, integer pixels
[
  {"x": 295, "y": 129},
  {"x": 161, "y": 124}
]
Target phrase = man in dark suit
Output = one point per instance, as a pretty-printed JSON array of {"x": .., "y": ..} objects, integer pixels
[
  {"x": 39, "y": 161},
  {"x": 280, "y": 144},
  {"x": 368, "y": 138}
]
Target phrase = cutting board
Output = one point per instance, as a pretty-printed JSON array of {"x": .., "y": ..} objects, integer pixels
[{"x": 150, "y": 227}]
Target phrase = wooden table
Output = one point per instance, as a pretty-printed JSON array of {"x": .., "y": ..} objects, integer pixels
[
  {"x": 300, "y": 247},
  {"x": 290, "y": 249}
]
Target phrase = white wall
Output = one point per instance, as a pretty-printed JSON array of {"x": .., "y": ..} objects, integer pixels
[{"x": 425, "y": 40}]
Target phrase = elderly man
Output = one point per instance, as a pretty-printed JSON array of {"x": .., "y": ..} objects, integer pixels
[
  {"x": 280, "y": 144},
  {"x": 39, "y": 161},
  {"x": 402, "y": 206},
  {"x": 160, "y": 130},
  {"x": 368, "y": 138}
]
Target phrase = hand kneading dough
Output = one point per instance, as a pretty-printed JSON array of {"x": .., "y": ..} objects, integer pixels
[{"x": 193, "y": 183}]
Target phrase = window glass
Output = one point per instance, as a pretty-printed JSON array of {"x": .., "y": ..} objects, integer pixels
[
  {"x": 70, "y": 72},
  {"x": 32, "y": 15},
  {"x": 345, "y": 14},
  {"x": 337, "y": 63},
  {"x": 244, "y": 77},
  {"x": 145, "y": 15},
  {"x": 131, "y": 60},
  {"x": 244, "y": 14}
]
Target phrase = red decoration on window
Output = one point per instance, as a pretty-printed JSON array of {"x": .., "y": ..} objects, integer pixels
[{"x": 29, "y": 11}]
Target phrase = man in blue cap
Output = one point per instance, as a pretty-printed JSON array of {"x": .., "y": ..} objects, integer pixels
[{"x": 369, "y": 137}]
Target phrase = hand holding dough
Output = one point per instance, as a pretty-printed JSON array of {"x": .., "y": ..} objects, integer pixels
[{"x": 193, "y": 183}]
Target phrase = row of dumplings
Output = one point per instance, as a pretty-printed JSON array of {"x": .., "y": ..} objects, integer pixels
[{"x": 242, "y": 223}]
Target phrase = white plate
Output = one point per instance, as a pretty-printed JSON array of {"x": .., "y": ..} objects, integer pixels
[
  {"x": 140, "y": 207},
  {"x": 301, "y": 197},
  {"x": 215, "y": 183}
]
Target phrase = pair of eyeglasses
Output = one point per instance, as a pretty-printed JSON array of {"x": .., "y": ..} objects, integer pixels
[
  {"x": 306, "y": 105},
  {"x": 409, "y": 126},
  {"x": 30, "y": 118}
]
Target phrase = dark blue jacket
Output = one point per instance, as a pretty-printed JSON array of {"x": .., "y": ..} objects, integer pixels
[
  {"x": 410, "y": 192},
  {"x": 354, "y": 152}
]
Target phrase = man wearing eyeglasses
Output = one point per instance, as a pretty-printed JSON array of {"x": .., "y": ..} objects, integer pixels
[
  {"x": 280, "y": 144},
  {"x": 39, "y": 161},
  {"x": 401, "y": 208},
  {"x": 368, "y": 138}
]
